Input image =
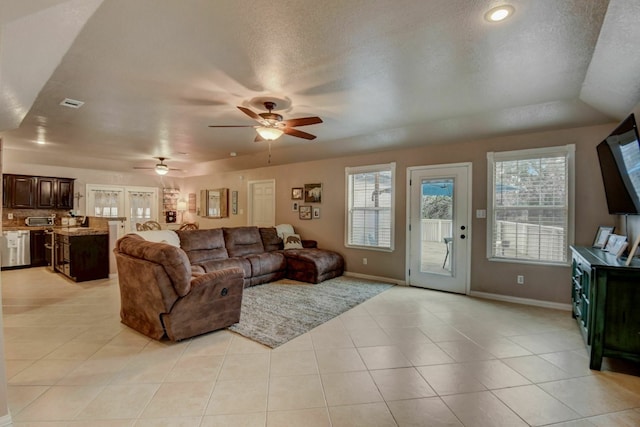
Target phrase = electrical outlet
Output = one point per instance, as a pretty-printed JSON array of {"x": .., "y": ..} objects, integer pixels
[
  {"x": 364, "y": 261},
  {"x": 520, "y": 280}
]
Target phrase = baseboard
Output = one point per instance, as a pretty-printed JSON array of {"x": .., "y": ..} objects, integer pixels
[
  {"x": 376, "y": 278},
  {"x": 524, "y": 301},
  {"x": 6, "y": 420}
]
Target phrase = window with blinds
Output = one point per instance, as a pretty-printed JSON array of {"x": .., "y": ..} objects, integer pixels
[
  {"x": 531, "y": 205},
  {"x": 370, "y": 206}
]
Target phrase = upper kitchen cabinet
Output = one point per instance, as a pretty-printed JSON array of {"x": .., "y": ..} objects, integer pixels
[
  {"x": 19, "y": 191},
  {"x": 37, "y": 192}
]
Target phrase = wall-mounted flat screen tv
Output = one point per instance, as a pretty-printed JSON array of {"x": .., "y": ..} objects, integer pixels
[{"x": 619, "y": 156}]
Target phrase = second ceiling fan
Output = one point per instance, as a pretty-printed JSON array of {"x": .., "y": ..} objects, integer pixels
[{"x": 272, "y": 126}]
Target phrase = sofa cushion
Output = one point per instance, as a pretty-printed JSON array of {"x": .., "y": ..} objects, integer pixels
[
  {"x": 174, "y": 260},
  {"x": 270, "y": 239},
  {"x": 242, "y": 241},
  {"x": 266, "y": 263},
  {"x": 203, "y": 245},
  {"x": 220, "y": 264}
]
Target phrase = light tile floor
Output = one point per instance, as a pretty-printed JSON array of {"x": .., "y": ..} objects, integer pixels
[{"x": 408, "y": 357}]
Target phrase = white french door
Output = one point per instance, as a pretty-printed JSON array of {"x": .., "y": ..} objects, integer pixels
[{"x": 439, "y": 236}]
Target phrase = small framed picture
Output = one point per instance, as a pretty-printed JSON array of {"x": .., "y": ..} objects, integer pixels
[
  {"x": 602, "y": 236},
  {"x": 304, "y": 212},
  {"x": 616, "y": 245},
  {"x": 633, "y": 250},
  {"x": 316, "y": 212},
  {"x": 296, "y": 193},
  {"x": 294, "y": 206},
  {"x": 313, "y": 193}
]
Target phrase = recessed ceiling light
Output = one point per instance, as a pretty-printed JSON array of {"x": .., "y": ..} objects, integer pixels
[{"x": 499, "y": 13}]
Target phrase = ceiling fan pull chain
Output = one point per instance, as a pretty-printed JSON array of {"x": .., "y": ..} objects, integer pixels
[{"x": 269, "y": 161}]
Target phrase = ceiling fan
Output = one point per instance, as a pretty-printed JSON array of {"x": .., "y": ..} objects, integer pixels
[
  {"x": 272, "y": 125},
  {"x": 160, "y": 168}
]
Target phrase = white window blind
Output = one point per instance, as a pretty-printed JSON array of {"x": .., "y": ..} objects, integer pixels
[
  {"x": 530, "y": 203},
  {"x": 370, "y": 206}
]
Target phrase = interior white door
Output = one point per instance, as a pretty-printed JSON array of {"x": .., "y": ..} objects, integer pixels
[
  {"x": 439, "y": 236},
  {"x": 262, "y": 203}
]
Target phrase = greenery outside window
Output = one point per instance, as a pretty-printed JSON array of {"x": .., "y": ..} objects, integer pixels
[
  {"x": 370, "y": 206},
  {"x": 530, "y": 205}
]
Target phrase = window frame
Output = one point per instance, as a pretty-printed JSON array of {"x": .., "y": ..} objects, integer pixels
[
  {"x": 355, "y": 170},
  {"x": 533, "y": 153}
]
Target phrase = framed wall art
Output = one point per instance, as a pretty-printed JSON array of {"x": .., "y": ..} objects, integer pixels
[
  {"x": 294, "y": 206},
  {"x": 296, "y": 193},
  {"x": 304, "y": 212},
  {"x": 316, "y": 212},
  {"x": 313, "y": 193}
]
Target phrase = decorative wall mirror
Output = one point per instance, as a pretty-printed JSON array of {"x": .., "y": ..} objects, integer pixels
[{"x": 214, "y": 203}]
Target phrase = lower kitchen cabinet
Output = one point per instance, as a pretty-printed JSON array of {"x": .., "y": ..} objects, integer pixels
[
  {"x": 38, "y": 249},
  {"x": 605, "y": 297},
  {"x": 83, "y": 257}
]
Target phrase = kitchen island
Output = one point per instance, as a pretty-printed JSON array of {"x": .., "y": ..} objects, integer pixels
[{"x": 81, "y": 253}]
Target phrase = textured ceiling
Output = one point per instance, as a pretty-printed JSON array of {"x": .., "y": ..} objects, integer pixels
[{"x": 382, "y": 74}]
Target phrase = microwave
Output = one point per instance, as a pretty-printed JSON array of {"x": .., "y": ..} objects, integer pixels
[{"x": 38, "y": 221}]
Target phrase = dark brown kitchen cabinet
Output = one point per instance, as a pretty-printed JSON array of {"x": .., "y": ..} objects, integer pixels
[
  {"x": 82, "y": 258},
  {"x": 19, "y": 191},
  {"x": 38, "y": 249},
  {"x": 65, "y": 193},
  {"x": 46, "y": 193},
  {"x": 37, "y": 192}
]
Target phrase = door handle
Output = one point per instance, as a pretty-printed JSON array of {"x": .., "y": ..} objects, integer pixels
[{"x": 462, "y": 236}]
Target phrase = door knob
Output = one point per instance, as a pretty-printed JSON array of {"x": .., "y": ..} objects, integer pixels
[
  {"x": 463, "y": 228},
  {"x": 462, "y": 236}
]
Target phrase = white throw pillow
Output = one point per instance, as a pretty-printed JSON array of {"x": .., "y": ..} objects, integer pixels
[
  {"x": 292, "y": 241},
  {"x": 283, "y": 229}
]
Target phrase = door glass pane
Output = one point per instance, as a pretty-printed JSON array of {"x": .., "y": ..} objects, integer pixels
[{"x": 436, "y": 221}]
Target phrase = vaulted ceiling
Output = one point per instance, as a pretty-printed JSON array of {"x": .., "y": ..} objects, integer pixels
[{"x": 154, "y": 74}]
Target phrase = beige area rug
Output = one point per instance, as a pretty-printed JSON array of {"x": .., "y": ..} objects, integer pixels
[{"x": 277, "y": 312}]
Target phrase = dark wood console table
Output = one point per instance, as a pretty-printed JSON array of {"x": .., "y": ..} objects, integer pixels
[{"x": 605, "y": 295}]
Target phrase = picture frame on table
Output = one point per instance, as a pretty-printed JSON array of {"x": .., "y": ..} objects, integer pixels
[
  {"x": 304, "y": 212},
  {"x": 297, "y": 193},
  {"x": 602, "y": 235},
  {"x": 316, "y": 212},
  {"x": 616, "y": 245}
]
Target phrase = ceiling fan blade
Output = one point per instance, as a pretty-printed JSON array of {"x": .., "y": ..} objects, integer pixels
[
  {"x": 142, "y": 168},
  {"x": 298, "y": 133},
  {"x": 230, "y": 126},
  {"x": 304, "y": 121},
  {"x": 250, "y": 113}
]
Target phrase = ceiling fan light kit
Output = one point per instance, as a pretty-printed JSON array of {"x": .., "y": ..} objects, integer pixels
[
  {"x": 162, "y": 169},
  {"x": 269, "y": 133}
]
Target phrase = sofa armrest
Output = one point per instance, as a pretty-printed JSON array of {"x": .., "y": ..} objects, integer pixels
[
  {"x": 309, "y": 244},
  {"x": 227, "y": 274}
]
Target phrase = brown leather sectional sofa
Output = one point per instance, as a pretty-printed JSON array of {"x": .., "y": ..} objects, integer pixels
[{"x": 197, "y": 288}]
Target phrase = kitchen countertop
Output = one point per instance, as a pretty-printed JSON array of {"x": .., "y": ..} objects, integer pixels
[
  {"x": 79, "y": 231},
  {"x": 49, "y": 227}
]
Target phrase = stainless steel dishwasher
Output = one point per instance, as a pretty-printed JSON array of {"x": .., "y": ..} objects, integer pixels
[{"x": 15, "y": 248}]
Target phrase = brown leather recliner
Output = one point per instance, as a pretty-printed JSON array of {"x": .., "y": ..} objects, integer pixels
[{"x": 161, "y": 297}]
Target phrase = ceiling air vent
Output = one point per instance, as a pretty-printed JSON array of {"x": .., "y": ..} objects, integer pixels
[{"x": 71, "y": 103}]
